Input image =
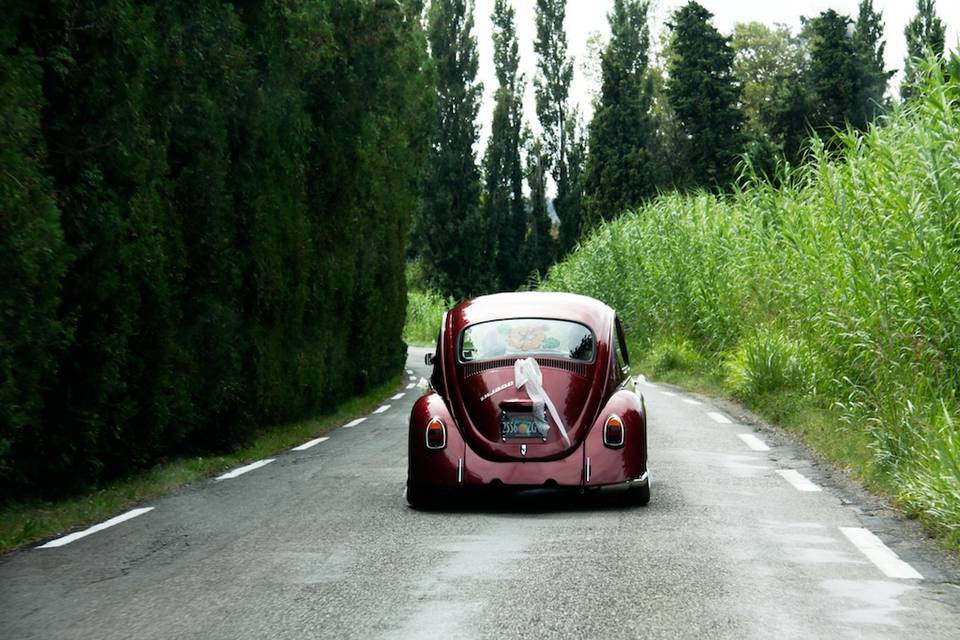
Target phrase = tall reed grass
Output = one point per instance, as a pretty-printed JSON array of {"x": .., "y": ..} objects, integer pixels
[{"x": 841, "y": 284}]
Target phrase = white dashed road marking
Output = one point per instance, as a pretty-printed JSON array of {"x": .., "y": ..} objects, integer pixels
[
  {"x": 398, "y": 396},
  {"x": 59, "y": 542},
  {"x": 409, "y": 372},
  {"x": 383, "y": 408},
  {"x": 880, "y": 554},
  {"x": 799, "y": 482},
  {"x": 412, "y": 378},
  {"x": 689, "y": 401},
  {"x": 242, "y": 470},
  {"x": 411, "y": 385},
  {"x": 310, "y": 443},
  {"x": 353, "y": 423},
  {"x": 753, "y": 442},
  {"x": 719, "y": 417},
  {"x": 669, "y": 393}
]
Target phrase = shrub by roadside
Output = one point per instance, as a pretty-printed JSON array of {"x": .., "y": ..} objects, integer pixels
[{"x": 425, "y": 311}]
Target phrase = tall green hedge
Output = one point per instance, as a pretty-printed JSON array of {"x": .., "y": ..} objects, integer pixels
[{"x": 203, "y": 210}]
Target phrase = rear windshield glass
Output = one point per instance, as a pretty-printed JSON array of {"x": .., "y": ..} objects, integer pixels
[{"x": 527, "y": 337}]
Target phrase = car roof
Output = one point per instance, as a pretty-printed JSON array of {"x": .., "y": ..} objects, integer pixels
[{"x": 532, "y": 304}]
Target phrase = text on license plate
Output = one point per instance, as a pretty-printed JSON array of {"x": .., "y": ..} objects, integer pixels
[{"x": 522, "y": 426}]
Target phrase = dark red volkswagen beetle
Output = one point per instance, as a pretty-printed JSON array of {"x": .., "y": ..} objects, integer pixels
[{"x": 528, "y": 390}]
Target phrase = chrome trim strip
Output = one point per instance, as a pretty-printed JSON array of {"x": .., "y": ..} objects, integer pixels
[
  {"x": 587, "y": 470},
  {"x": 459, "y": 470}
]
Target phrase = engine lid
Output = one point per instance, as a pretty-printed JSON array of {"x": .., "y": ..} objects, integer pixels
[{"x": 497, "y": 417}]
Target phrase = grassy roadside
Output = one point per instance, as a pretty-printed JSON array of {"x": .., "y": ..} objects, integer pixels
[
  {"x": 25, "y": 522},
  {"x": 821, "y": 427}
]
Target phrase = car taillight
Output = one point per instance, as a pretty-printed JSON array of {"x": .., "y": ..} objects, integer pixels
[
  {"x": 613, "y": 432},
  {"x": 436, "y": 434}
]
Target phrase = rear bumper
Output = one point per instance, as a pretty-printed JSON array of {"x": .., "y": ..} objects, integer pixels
[{"x": 565, "y": 472}]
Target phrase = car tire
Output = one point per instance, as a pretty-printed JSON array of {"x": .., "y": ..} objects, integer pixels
[
  {"x": 420, "y": 496},
  {"x": 639, "y": 496}
]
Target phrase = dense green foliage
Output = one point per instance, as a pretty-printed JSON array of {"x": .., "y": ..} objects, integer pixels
[
  {"x": 205, "y": 208},
  {"x": 704, "y": 94},
  {"x": 32, "y": 251},
  {"x": 769, "y": 63},
  {"x": 620, "y": 171},
  {"x": 455, "y": 241},
  {"x": 840, "y": 286}
]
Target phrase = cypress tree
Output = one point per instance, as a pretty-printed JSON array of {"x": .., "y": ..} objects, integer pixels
[
  {"x": 926, "y": 34},
  {"x": 670, "y": 148},
  {"x": 557, "y": 119},
  {"x": 450, "y": 231},
  {"x": 504, "y": 205},
  {"x": 869, "y": 45},
  {"x": 835, "y": 73},
  {"x": 118, "y": 396},
  {"x": 619, "y": 172},
  {"x": 540, "y": 246},
  {"x": 33, "y": 255},
  {"x": 203, "y": 75},
  {"x": 704, "y": 93}
]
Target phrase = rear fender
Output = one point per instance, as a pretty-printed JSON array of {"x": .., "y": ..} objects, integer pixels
[
  {"x": 440, "y": 467},
  {"x": 613, "y": 466}
]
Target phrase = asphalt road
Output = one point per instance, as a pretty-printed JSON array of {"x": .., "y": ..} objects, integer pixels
[{"x": 320, "y": 543}]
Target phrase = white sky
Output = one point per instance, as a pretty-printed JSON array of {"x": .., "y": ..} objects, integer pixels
[{"x": 588, "y": 16}]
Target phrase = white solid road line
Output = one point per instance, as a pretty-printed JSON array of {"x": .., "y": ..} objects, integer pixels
[
  {"x": 689, "y": 401},
  {"x": 719, "y": 417},
  {"x": 799, "y": 482},
  {"x": 309, "y": 443},
  {"x": 242, "y": 470},
  {"x": 59, "y": 542},
  {"x": 411, "y": 385},
  {"x": 353, "y": 423},
  {"x": 753, "y": 442},
  {"x": 382, "y": 408},
  {"x": 398, "y": 396},
  {"x": 880, "y": 554}
]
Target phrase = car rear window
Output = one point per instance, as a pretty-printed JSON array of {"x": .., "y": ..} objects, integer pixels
[{"x": 527, "y": 337}]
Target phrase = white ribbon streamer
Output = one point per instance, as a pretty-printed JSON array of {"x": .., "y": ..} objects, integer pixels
[{"x": 526, "y": 372}]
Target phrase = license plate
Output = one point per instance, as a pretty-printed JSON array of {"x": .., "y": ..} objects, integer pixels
[{"x": 522, "y": 425}]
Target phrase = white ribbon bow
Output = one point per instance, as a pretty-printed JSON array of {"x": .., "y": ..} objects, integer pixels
[{"x": 526, "y": 371}]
